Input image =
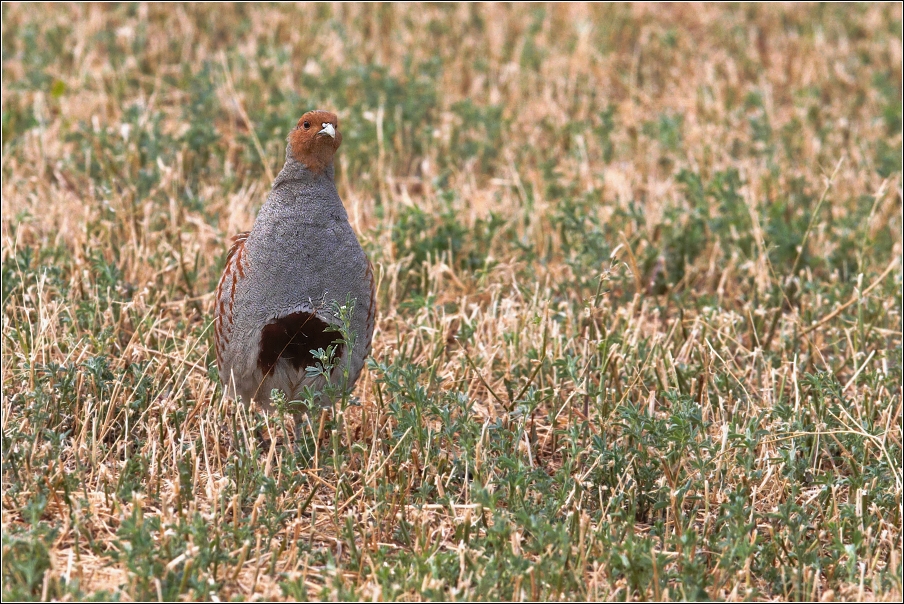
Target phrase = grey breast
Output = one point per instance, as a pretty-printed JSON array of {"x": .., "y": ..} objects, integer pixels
[{"x": 305, "y": 255}]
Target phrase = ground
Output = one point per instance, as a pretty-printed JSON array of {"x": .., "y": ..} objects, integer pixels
[{"x": 639, "y": 285}]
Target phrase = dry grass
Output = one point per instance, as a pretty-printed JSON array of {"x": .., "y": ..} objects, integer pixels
[{"x": 640, "y": 303}]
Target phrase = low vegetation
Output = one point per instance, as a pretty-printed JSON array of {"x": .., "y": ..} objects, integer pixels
[{"x": 639, "y": 277}]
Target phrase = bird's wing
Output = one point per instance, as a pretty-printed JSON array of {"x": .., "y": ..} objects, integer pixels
[
  {"x": 372, "y": 307},
  {"x": 236, "y": 265}
]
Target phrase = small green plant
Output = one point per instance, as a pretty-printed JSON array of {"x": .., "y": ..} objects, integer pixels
[{"x": 329, "y": 373}]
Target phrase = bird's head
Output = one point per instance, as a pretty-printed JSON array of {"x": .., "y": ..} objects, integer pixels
[{"x": 314, "y": 140}]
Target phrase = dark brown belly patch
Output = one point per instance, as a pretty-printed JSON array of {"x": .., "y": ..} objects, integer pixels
[{"x": 292, "y": 338}]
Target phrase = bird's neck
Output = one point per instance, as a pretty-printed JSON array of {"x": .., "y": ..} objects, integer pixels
[
  {"x": 300, "y": 194},
  {"x": 295, "y": 171}
]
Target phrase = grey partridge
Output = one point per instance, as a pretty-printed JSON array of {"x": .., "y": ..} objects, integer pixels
[{"x": 276, "y": 301}]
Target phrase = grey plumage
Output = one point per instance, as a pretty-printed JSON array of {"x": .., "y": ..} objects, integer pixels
[{"x": 280, "y": 286}]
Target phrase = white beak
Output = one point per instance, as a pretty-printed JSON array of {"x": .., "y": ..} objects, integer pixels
[{"x": 328, "y": 129}]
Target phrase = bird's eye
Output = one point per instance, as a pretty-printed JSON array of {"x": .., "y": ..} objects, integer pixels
[{"x": 306, "y": 125}]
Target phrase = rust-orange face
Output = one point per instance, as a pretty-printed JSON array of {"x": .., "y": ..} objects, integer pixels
[{"x": 315, "y": 139}]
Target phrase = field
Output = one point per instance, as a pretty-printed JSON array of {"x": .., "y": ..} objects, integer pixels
[{"x": 639, "y": 284}]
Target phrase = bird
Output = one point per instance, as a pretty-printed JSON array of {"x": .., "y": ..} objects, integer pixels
[{"x": 278, "y": 299}]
